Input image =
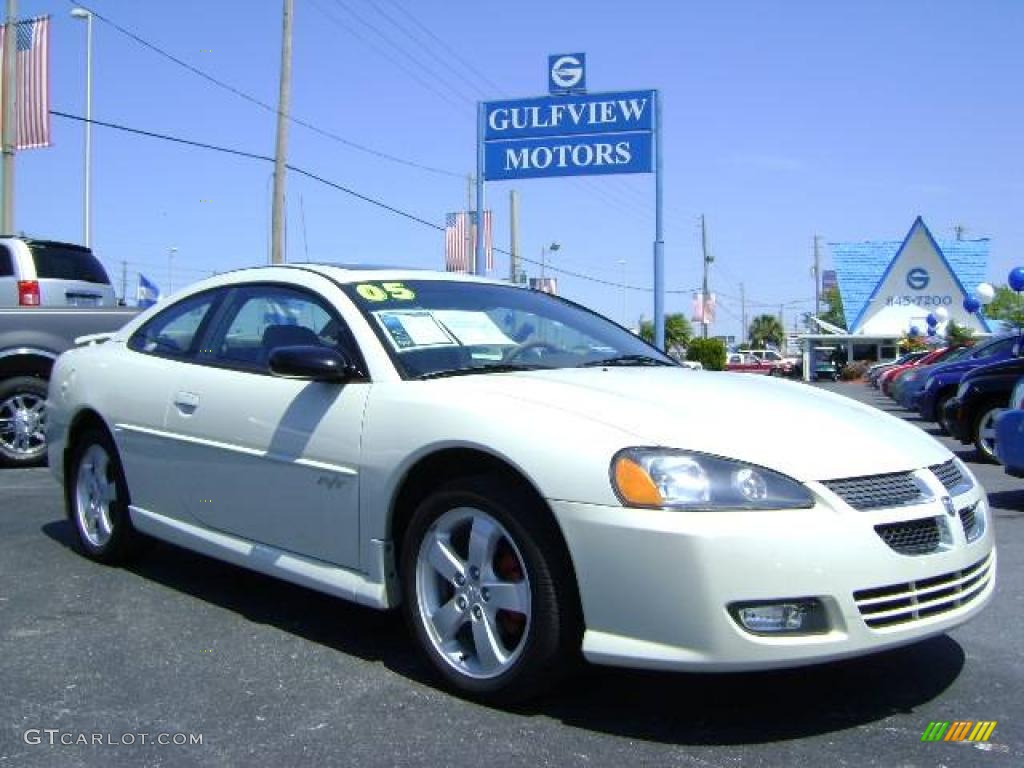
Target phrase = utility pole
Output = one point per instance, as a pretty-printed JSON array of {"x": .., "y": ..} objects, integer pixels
[
  {"x": 707, "y": 263},
  {"x": 277, "y": 248},
  {"x": 9, "y": 138},
  {"x": 470, "y": 250},
  {"x": 743, "y": 314},
  {"x": 817, "y": 277},
  {"x": 513, "y": 236}
]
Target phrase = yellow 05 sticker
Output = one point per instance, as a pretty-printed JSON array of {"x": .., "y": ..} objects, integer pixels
[{"x": 385, "y": 291}]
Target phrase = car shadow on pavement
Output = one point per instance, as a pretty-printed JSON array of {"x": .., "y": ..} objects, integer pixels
[
  {"x": 674, "y": 708},
  {"x": 757, "y": 707},
  {"x": 1008, "y": 504}
]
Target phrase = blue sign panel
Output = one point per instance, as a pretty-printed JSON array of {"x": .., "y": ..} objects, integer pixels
[
  {"x": 569, "y": 115},
  {"x": 567, "y": 73},
  {"x": 568, "y": 156}
]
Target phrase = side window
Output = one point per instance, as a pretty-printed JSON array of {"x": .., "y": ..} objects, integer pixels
[
  {"x": 998, "y": 348},
  {"x": 266, "y": 317},
  {"x": 6, "y": 263},
  {"x": 175, "y": 331}
]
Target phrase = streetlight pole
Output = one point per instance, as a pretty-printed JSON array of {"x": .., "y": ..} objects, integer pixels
[
  {"x": 81, "y": 13},
  {"x": 625, "y": 322},
  {"x": 170, "y": 269},
  {"x": 544, "y": 250}
]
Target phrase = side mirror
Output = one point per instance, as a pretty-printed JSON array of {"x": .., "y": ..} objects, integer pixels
[{"x": 312, "y": 363}]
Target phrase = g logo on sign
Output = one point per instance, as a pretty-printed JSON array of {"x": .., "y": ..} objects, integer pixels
[
  {"x": 917, "y": 278},
  {"x": 566, "y": 72}
]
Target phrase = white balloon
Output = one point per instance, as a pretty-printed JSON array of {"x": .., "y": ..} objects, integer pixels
[
  {"x": 985, "y": 292},
  {"x": 942, "y": 314}
]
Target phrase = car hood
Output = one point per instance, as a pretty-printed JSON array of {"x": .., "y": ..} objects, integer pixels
[{"x": 805, "y": 432}]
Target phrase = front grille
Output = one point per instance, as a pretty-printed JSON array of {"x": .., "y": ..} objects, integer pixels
[
  {"x": 973, "y": 525},
  {"x": 951, "y": 477},
  {"x": 914, "y": 537},
  {"x": 904, "y": 603},
  {"x": 877, "y": 491}
]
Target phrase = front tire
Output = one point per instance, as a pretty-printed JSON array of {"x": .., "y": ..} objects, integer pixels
[
  {"x": 22, "y": 422},
  {"x": 488, "y": 590},
  {"x": 985, "y": 433},
  {"x": 940, "y": 414},
  {"x": 97, "y": 500}
]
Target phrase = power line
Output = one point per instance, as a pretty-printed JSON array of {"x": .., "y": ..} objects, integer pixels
[
  {"x": 262, "y": 104},
  {"x": 341, "y": 188}
]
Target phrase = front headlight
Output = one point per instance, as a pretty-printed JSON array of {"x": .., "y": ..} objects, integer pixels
[
  {"x": 661, "y": 477},
  {"x": 928, "y": 383}
]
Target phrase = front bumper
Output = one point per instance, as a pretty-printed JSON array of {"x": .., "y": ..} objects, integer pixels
[{"x": 656, "y": 585}]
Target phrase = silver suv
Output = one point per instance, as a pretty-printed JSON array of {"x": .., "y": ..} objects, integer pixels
[{"x": 46, "y": 273}]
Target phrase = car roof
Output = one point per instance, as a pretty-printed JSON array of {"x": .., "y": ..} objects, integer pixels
[
  {"x": 354, "y": 273},
  {"x": 46, "y": 243}
]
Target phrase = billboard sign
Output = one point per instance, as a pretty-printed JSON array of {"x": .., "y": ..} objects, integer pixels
[{"x": 571, "y": 135}]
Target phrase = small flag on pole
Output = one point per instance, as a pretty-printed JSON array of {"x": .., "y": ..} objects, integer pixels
[
  {"x": 460, "y": 244},
  {"x": 32, "y": 92},
  {"x": 703, "y": 311},
  {"x": 148, "y": 293}
]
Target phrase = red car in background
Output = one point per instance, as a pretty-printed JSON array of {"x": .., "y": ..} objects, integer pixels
[{"x": 886, "y": 379}]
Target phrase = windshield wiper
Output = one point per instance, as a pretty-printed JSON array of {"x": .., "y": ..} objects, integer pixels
[
  {"x": 490, "y": 368},
  {"x": 624, "y": 360}
]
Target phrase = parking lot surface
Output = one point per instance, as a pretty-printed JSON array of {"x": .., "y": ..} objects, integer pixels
[{"x": 178, "y": 646}]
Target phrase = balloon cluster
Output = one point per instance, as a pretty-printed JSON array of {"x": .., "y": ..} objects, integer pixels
[{"x": 984, "y": 294}]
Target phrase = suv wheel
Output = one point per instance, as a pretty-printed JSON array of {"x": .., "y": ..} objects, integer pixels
[{"x": 22, "y": 421}]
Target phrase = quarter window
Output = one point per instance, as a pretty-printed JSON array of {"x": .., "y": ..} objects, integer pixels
[
  {"x": 175, "y": 331},
  {"x": 6, "y": 266}
]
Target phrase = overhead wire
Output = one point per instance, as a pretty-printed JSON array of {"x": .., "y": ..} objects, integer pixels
[{"x": 259, "y": 102}]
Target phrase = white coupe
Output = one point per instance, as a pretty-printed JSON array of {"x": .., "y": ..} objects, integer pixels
[{"x": 527, "y": 479}]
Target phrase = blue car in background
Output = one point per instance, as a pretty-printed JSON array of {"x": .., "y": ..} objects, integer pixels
[
  {"x": 907, "y": 389},
  {"x": 1010, "y": 433},
  {"x": 944, "y": 378}
]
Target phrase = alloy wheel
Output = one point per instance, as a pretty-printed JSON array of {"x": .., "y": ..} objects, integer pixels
[
  {"x": 23, "y": 425},
  {"x": 95, "y": 492},
  {"x": 473, "y": 593}
]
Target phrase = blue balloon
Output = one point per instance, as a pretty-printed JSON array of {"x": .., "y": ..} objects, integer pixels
[
  {"x": 1016, "y": 279},
  {"x": 914, "y": 331},
  {"x": 932, "y": 320},
  {"x": 971, "y": 304}
]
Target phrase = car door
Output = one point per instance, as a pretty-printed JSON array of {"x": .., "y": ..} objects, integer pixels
[
  {"x": 270, "y": 459},
  {"x": 137, "y": 392}
]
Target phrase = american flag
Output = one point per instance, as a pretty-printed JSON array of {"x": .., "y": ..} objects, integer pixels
[
  {"x": 703, "y": 311},
  {"x": 32, "y": 94},
  {"x": 460, "y": 241}
]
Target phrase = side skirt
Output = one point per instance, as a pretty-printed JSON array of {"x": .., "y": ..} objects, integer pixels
[{"x": 307, "y": 572}]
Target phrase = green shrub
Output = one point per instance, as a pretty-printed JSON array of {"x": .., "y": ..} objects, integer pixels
[
  {"x": 708, "y": 352},
  {"x": 853, "y": 371}
]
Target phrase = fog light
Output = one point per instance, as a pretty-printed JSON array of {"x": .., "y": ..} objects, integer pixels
[{"x": 803, "y": 616}]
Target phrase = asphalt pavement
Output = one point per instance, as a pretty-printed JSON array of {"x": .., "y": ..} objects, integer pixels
[{"x": 100, "y": 665}]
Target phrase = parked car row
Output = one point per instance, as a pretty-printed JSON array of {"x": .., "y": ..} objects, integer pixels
[{"x": 966, "y": 391}]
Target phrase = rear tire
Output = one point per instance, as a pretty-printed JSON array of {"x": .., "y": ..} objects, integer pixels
[
  {"x": 96, "y": 495},
  {"x": 22, "y": 422},
  {"x": 940, "y": 409},
  {"x": 488, "y": 590}
]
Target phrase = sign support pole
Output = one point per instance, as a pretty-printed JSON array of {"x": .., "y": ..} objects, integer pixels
[
  {"x": 479, "y": 263},
  {"x": 659, "y": 242}
]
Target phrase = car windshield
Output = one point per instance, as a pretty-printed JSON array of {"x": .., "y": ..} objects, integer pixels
[{"x": 435, "y": 328}]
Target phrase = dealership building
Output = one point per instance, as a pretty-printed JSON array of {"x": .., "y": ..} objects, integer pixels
[{"x": 888, "y": 287}]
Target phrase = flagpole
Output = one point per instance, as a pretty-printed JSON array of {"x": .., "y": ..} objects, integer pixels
[{"x": 9, "y": 137}]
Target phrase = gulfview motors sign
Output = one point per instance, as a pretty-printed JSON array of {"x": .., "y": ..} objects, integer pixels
[{"x": 569, "y": 133}]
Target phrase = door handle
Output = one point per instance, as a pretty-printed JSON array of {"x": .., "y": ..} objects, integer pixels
[{"x": 187, "y": 402}]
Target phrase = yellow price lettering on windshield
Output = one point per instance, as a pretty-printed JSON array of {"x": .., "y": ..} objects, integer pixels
[{"x": 385, "y": 291}]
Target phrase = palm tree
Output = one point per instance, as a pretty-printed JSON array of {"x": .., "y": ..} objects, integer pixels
[
  {"x": 765, "y": 330},
  {"x": 678, "y": 331}
]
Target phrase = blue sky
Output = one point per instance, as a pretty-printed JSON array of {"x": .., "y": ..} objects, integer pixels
[{"x": 782, "y": 120}]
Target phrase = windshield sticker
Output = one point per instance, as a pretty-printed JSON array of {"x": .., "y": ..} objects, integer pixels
[
  {"x": 472, "y": 328},
  {"x": 385, "y": 291},
  {"x": 413, "y": 329}
]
